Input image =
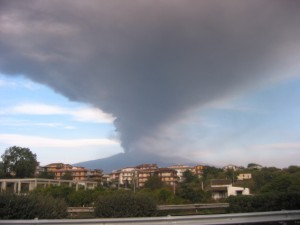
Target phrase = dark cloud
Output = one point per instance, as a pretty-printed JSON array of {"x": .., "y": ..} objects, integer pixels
[{"x": 149, "y": 62}]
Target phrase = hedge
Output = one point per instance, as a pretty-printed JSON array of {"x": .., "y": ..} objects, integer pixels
[
  {"x": 125, "y": 205},
  {"x": 265, "y": 202},
  {"x": 31, "y": 206}
]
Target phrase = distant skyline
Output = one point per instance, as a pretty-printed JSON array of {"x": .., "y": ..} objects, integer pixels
[{"x": 210, "y": 81}]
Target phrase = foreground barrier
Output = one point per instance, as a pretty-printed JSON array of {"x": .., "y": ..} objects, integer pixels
[
  {"x": 236, "y": 218},
  {"x": 193, "y": 206},
  {"x": 161, "y": 207}
]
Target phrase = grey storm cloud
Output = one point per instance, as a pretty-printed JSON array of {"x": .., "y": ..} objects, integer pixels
[{"x": 149, "y": 62}]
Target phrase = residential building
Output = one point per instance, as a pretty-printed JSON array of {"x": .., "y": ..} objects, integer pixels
[
  {"x": 114, "y": 177},
  {"x": 78, "y": 173},
  {"x": 180, "y": 169},
  {"x": 144, "y": 171},
  {"x": 244, "y": 176},
  {"x": 198, "y": 170},
  {"x": 224, "y": 188},
  {"x": 231, "y": 167},
  {"x": 127, "y": 176},
  {"x": 147, "y": 167},
  {"x": 143, "y": 176},
  {"x": 254, "y": 166},
  {"x": 167, "y": 175}
]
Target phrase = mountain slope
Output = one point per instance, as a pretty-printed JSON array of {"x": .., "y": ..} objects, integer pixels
[{"x": 123, "y": 160}]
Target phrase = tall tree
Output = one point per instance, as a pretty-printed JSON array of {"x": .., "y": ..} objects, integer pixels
[
  {"x": 189, "y": 177},
  {"x": 19, "y": 162},
  {"x": 154, "y": 182},
  {"x": 67, "y": 176},
  {"x": 2, "y": 170},
  {"x": 46, "y": 175}
]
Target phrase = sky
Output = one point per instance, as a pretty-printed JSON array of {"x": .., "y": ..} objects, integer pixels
[{"x": 217, "y": 82}]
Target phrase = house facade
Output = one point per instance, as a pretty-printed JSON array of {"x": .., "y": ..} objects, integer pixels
[
  {"x": 244, "y": 176},
  {"x": 77, "y": 173},
  {"x": 224, "y": 188},
  {"x": 180, "y": 169}
]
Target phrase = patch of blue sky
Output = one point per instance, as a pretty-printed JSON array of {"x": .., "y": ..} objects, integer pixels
[
  {"x": 33, "y": 115},
  {"x": 21, "y": 92},
  {"x": 267, "y": 115}
]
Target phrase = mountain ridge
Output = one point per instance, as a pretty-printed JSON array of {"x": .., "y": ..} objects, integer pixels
[{"x": 123, "y": 160}]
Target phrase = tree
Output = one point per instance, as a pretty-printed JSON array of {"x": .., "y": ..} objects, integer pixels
[
  {"x": 47, "y": 175},
  {"x": 19, "y": 162},
  {"x": 154, "y": 182},
  {"x": 189, "y": 177},
  {"x": 2, "y": 171},
  {"x": 67, "y": 176},
  {"x": 125, "y": 205}
]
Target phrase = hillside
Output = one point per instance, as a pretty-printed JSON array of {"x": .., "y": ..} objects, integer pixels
[{"x": 122, "y": 160}]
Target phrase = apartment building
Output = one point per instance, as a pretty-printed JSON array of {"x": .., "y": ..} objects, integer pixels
[
  {"x": 180, "y": 169},
  {"x": 231, "y": 167},
  {"x": 198, "y": 170},
  {"x": 168, "y": 176},
  {"x": 114, "y": 177},
  {"x": 127, "y": 175},
  {"x": 244, "y": 176},
  {"x": 144, "y": 171},
  {"x": 139, "y": 175},
  {"x": 77, "y": 173}
]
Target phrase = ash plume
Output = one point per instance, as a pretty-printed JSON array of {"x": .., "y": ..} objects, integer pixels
[{"x": 149, "y": 63}]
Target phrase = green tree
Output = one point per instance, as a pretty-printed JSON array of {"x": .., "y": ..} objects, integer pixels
[
  {"x": 293, "y": 169},
  {"x": 19, "y": 162},
  {"x": 125, "y": 205},
  {"x": 67, "y": 176},
  {"x": 263, "y": 177},
  {"x": 189, "y": 177},
  {"x": 154, "y": 182},
  {"x": 46, "y": 175},
  {"x": 192, "y": 194},
  {"x": 278, "y": 184},
  {"x": 2, "y": 170}
]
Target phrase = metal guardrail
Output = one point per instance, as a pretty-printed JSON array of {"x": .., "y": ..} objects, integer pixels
[
  {"x": 81, "y": 209},
  {"x": 237, "y": 218},
  {"x": 193, "y": 206},
  {"x": 161, "y": 207}
]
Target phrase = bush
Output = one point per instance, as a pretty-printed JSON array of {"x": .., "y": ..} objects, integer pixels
[
  {"x": 265, "y": 202},
  {"x": 124, "y": 205},
  {"x": 31, "y": 206}
]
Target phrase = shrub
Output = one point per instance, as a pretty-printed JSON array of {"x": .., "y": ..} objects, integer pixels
[
  {"x": 31, "y": 206},
  {"x": 125, "y": 205},
  {"x": 265, "y": 202}
]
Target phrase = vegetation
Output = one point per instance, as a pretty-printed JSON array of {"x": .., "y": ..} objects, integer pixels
[
  {"x": 265, "y": 202},
  {"x": 31, "y": 206},
  {"x": 272, "y": 189},
  {"x": 67, "y": 176},
  {"x": 46, "y": 175},
  {"x": 72, "y": 197},
  {"x": 18, "y": 162},
  {"x": 125, "y": 205},
  {"x": 154, "y": 182}
]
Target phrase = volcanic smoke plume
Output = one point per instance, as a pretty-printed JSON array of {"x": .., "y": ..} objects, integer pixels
[{"x": 149, "y": 63}]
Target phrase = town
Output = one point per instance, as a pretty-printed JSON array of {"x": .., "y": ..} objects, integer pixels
[
  {"x": 21, "y": 172},
  {"x": 22, "y": 179},
  {"x": 137, "y": 176}
]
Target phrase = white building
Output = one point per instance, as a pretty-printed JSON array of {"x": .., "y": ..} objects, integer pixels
[
  {"x": 127, "y": 175},
  {"x": 180, "y": 169},
  {"x": 223, "y": 189},
  {"x": 244, "y": 176}
]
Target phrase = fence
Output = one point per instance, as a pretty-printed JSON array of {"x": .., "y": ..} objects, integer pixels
[{"x": 236, "y": 218}]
